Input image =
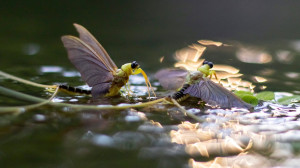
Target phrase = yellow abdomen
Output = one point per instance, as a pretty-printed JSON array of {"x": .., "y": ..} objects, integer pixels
[{"x": 120, "y": 79}]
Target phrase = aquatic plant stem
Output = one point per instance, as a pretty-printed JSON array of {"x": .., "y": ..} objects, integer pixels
[
  {"x": 109, "y": 107},
  {"x": 41, "y": 102},
  {"x": 6, "y": 75},
  {"x": 193, "y": 116},
  {"x": 26, "y": 97},
  {"x": 18, "y": 95}
]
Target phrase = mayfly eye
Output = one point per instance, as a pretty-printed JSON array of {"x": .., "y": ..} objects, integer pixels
[
  {"x": 134, "y": 65},
  {"x": 205, "y": 62},
  {"x": 211, "y": 65}
]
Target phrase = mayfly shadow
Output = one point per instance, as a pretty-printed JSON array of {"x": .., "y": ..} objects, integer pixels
[
  {"x": 96, "y": 67},
  {"x": 199, "y": 84}
]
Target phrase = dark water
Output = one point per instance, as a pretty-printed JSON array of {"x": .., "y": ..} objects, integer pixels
[{"x": 145, "y": 31}]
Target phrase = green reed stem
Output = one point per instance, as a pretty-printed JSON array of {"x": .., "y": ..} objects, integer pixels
[
  {"x": 193, "y": 116},
  {"x": 41, "y": 101},
  {"x": 25, "y": 97},
  {"x": 20, "y": 96},
  {"x": 6, "y": 75}
]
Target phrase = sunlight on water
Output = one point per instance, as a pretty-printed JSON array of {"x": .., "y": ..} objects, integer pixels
[
  {"x": 31, "y": 48},
  {"x": 251, "y": 55},
  {"x": 40, "y": 118},
  {"x": 103, "y": 140},
  {"x": 71, "y": 74},
  {"x": 137, "y": 79},
  {"x": 51, "y": 69},
  {"x": 134, "y": 116},
  {"x": 228, "y": 134},
  {"x": 295, "y": 45},
  {"x": 190, "y": 59},
  {"x": 260, "y": 79},
  {"x": 293, "y": 75},
  {"x": 57, "y": 100},
  {"x": 226, "y": 68},
  {"x": 285, "y": 56},
  {"x": 238, "y": 137},
  {"x": 210, "y": 42},
  {"x": 268, "y": 136}
]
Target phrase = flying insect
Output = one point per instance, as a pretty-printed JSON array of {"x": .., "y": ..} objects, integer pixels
[
  {"x": 199, "y": 84},
  {"x": 96, "y": 67}
]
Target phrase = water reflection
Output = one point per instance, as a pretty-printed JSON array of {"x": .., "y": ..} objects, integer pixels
[
  {"x": 71, "y": 74},
  {"x": 227, "y": 138},
  {"x": 135, "y": 116},
  {"x": 230, "y": 140},
  {"x": 50, "y": 69},
  {"x": 210, "y": 42},
  {"x": 161, "y": 59},
  {"x": 292, "y": 75},
  {"x": 259, "y": 79},
  {"x": 295, "y": 45},
  {"x": 267, "y": 137},
  {"x": 267, "y": 72},
  {"x": 226, "y": 68},
  {"x": 253, "y": 55},
  {"x": 241, "y": 160},
  {"x": 31, "y": 48},
  {"x": 190, "y": 58},
  {"x": 284, "y": 56},
  {"x": 39, "y": 117}
]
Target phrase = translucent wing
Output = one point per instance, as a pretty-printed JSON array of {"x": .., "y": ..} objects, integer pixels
[
  {"x": 90, "y": 40},
  {"x": 85, "y": 59},
  {"x": 215, "y": 94},
  {"x": 171, "y": 79},
  {"x": 100, "y": 89}
]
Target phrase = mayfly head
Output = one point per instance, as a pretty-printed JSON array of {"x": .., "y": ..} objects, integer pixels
[
  {"x": 135, "y": 69},
  {"x": 205, "y": 68},
  {"x": 134, "y": 65},
  {"x": 210, "y": 64}
]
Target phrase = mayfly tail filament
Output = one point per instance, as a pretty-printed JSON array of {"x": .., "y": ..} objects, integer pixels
[
  {"x": 180, "y": 96},
  {"x": 74, "y": 89}
]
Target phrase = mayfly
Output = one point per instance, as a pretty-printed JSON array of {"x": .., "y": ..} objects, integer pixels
[
  {"x": 96, "y": 67},
  {"x": 199, "y": 84}
]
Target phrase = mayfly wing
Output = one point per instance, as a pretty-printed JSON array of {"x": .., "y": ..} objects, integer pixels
[
  {"x": 233, "y": 100},
  {"x": 100, "y": 89},
  {"x": 92, "y": 70},
  {"x": 215, "y": 94},
  {"x": 171, "y": 79},
  {"x": 89, "y": 39}
]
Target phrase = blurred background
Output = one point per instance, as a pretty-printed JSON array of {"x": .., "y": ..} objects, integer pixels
[
  {"x": 138, "y": 30},
  {"x": 147, "y": 30}
]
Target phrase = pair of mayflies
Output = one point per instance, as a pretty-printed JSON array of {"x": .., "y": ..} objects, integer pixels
[{"x": 100, "y": 72}]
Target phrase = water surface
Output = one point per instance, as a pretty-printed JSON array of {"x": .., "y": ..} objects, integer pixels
[{"x": 265, "y": 43}]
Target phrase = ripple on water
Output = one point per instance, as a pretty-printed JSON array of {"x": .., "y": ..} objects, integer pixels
[
  {"x": 71, "y": 74},
  {"x": 50, "y": 69},
  {"x": 135, "y": 116},
  {"x": 125, "y": 140},
  {"x": 39, "y": 117},
  {"x": 103, "y": 140}
]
